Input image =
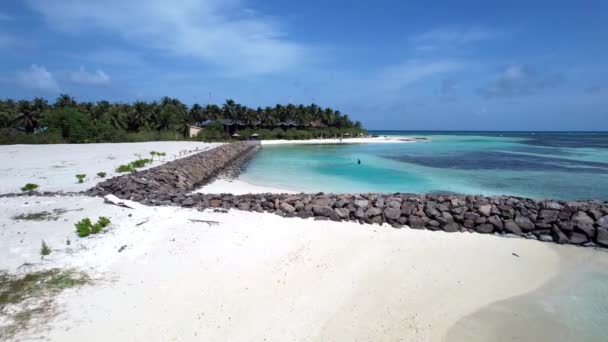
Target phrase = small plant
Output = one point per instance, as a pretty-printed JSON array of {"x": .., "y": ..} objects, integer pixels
[
  {"x": 125, "y": 168},
  {"x": 81, "y": 177},
  {"x": 45, "y": 249},
  {"x": 101, "y": 174},
  {"x": 141, "y": 162},
  {"x": 29, "y": 187},
  {"x": 85, "y": 227}
]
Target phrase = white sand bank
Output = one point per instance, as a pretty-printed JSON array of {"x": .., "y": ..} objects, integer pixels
[
  {"x": 386, "y": 139},
  {"x": 259, "y": 276},
  {"x": 54, "y": 167}
]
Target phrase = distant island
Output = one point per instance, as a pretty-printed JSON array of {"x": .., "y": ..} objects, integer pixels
[{"x": 69, "y": 121}]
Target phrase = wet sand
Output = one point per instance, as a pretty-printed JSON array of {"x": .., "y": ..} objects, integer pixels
[{"x": 573, "y": 306}]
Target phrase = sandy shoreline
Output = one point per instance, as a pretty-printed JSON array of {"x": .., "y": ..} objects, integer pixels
[
  {"x": 236, "y": 276},
  {"x": 185, "y": 280}
]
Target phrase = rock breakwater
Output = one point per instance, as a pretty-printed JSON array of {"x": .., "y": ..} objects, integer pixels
[{"x": 582, "y": 223}]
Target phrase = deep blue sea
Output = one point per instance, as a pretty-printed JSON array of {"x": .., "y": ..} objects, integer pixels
[{"x": 560, "y": 165}]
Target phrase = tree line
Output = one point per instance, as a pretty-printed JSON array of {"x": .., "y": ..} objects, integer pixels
[{"x": 66, "y": 120}]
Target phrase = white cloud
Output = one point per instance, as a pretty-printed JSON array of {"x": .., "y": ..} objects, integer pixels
[
  {"x": 518, "y": 80},
  {"x": 220, "y": 32},
  {"x": 449, "y": 37},
  {"x": 38, "y": 78},
  {"x": 411, "y": 71},
  {"x": 82, "y": 76}
]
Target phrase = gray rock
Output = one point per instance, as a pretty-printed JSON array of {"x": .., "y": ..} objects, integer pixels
[
  {"x": 512, "y": 227},
  {"x": 322, "y": 202},
  {"x": 603, "y": 221},
  {"x": 288, "y": 208},
  {"x": 415, "y": 222},
  {"x": 548, "y": 216},
  {"x": 469, "y": 224},
  {"x": 497, "y": 222},
  {"x": 392, "y": 213},
  {"x": 588, "y": 229},
  {"x": 361, "y": 204},
  {"x": 360, "y": 213},
  {"x": 432, "y": 212},
  {"x": 553, "y": 206},
  {"x": 486, "y": 209},
  {"x": 188, "y": 202},
  {"x": 545, "y": 238},
  {"x": 581, "y": 218},
  {"x": 602, "y": 236},
  {"x": 408, "y": 207},
  {"x": 559, "y": 236},
  {"x": 323, "y": 211},
  {"x": 343, "y": 213},
  {"x": 524, "y": 223},
  {"x": 578, "y": 238},
  {"x": 445, "y": 218},
  {"x": 485, "y": 228},
  {"x": 373, "y": 211},
  {"x": 451, "y": 227}
]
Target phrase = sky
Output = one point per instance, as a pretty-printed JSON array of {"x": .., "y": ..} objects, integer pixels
[{"x": 403, "y": 65}]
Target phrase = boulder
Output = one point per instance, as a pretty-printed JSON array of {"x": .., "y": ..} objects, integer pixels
[
  {"x": 361, "y": 204},
  {"x": 559, "y": 236},
  {"x": 524, "y": 223},
  {"x": 548, "y": 216},
  {"x": 485, "y": 228},
  {"x": 343, "y": 213},
  {"x": 188, "y": 202},
  {"x": 581, "y": 218},
  {"x": 588, "y": 229},
  {"x": 288, "y": 208},
  {"x": 602, "y": 236},
  {"x": 578, "y": 238},
  {"x": 486, "y": 209},
  {"x": 496, "y": 221},
  {"x": 451, "y": 227},
  {"x": 415, "y": 222},
  {"x": 373, "y": 211},
  {"x": 603, "y": 222},
  {"x": 392, "y": 213},
  {"x": 512, "y": 227},
  {"x": 323, "y": 211}
]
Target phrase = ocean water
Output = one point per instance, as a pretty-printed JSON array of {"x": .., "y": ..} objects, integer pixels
[{"x": 539, "y": 165}]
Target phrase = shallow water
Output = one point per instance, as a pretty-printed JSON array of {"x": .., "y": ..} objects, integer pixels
[
  {"x": 571, "y": 307},
  {"x": 539, "y": 165}
]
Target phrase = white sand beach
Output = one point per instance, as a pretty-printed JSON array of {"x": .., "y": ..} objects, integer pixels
[
  {"x": 165, "y": 275},
  {"x": 54, "y": 167}
]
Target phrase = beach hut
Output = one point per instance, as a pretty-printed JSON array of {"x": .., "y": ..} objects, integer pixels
[{"x": 254, "y": 136}]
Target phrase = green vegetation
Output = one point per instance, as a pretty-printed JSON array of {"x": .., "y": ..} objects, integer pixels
[
  {"x": 125, "y": 168},
  {"x": 29, "y": 187},
  {"x": 132, "y": 166},
  {"x": 67, "y": 121},
  {"x": 45, "y": 249},
  {"x": 27, "y": 298},
  {"x": 101, "y": 174},
  {"x": 159, "y": 154},
  {"x": 81, "y": 178},
  {"x": 85, "y": 227},
  {"x": 41, "y": 215}
]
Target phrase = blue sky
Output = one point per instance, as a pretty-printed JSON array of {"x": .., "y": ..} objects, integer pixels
[{"x": 466, "y": 65}]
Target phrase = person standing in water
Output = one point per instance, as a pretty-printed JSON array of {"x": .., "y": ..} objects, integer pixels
[{"x": 358, "y": 161}]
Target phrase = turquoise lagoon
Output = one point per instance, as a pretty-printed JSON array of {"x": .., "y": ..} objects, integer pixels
[{"x": 539, "y": 165}]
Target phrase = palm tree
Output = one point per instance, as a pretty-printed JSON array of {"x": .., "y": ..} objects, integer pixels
[
  {"x": 28, "y": 117},
  {"x": 65, "y": 100}
]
